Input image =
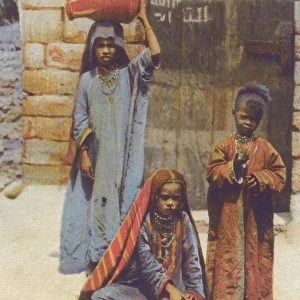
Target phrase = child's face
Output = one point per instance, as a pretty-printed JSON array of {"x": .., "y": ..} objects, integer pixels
[
  {"x": 246, "y": 120},
  {"x": 169, "y": 199},
  {"x": 105, "y": 50}
]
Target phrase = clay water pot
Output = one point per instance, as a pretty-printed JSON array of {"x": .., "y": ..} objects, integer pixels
[{"x": 123, "y": 11}]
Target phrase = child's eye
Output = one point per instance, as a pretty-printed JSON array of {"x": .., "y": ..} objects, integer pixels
[
  {"x": 105, "y": 45},
  {"x": 167, "y": 197}
]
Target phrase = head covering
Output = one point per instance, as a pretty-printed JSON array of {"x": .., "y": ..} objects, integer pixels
[
  {"x": 107, "y": 29},
  {"x": 120, "y": 250},
  {"x": 104, "y": 29},
  {"x": 167, "y": 176}
]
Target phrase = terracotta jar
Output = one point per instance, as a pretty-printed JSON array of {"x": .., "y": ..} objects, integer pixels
[{"x": 123, "y": 11}]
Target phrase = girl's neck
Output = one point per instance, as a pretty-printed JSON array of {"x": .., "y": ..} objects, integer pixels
[{"x": 106, "y": 70}]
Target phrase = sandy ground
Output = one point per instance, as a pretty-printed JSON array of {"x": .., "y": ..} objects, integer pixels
[{"x": 29, "y": 240}]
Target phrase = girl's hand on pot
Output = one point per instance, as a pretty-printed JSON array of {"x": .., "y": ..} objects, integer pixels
[{"x": 142, "y": 14}]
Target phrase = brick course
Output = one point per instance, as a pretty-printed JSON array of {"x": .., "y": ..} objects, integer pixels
[
  {"x": 42, "y": 26},
  {"x": 57, "y": 129},
  {"x": 44, "y": 152},
  {"x": 49, "y": 81},
  {"x": 34, "y": 55},
  {"x": 43, "y": 174},
  {"x": 29, "y": 4},
  {"x": 64, "y": 56},
  {"x": 48, "y": 105}
]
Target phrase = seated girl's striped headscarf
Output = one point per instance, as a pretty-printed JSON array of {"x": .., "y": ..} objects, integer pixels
[{"x": 120, "y": 250}]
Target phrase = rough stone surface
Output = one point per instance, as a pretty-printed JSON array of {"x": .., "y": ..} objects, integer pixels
[
  {"x": 48, "y": 105},
  {"x": 4, "y": 181},
  {"x": 42, "y": 26},
  {"x": 297, "y": 47},
  {"x": 297, "y": 17},
  {"x": 30, "y": 4},
  {"x": 297, "y": 72},
  {"x": 44, "y": 152},
  {"x": 10, "y": 100},
  {"x": 57, "y": 129},
  {"x": 14, "y": 189},
  {"x": 296, "y": 176},
  {"x": 64, "y": 56},
  {"x": 294, "y": 225},
  {"x": 42, "y": 174},
  {"x": 49, "y": 81},
  {"x": 296, "y": 120},
  {"x": 297, "y": 97},
  {"x": 33, "y": 55},
  {"x": 296, "y": 144},
  {"x": 295, "y": 208},
  {"x": 75, "y": 31},
  {"x": 134, "y": 32}
]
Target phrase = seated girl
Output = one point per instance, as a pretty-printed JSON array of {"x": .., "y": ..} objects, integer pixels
[{"x": 156, "y": 253}]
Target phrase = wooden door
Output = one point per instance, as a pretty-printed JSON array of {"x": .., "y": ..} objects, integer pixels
[{"x": 209, "y": 50}]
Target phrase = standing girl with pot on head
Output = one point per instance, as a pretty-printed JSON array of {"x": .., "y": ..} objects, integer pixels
[{"x": 108, "y": 127}]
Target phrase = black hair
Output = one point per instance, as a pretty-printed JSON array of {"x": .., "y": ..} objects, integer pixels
[{"x": 257, "y": 104}]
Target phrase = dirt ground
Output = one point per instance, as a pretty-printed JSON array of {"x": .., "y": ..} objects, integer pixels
[{"x": 29, "y": 240}]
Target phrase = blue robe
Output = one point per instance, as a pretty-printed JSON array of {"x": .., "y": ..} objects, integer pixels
[
  {"x": 114, "y": 133},
  {"x": 145, "y": 277}
]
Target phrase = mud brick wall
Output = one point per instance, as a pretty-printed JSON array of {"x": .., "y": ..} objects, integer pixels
[{"x": 52, "y": 50}]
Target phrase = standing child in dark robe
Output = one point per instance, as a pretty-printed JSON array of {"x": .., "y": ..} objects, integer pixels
[{"x": 244, "y": 173}]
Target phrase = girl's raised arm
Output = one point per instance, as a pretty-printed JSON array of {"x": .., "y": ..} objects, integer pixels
[{"x": 151, "y": 37}]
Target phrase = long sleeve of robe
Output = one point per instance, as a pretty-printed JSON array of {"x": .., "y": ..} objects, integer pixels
[
  {"x": 145, "y": 278},
  {"x": 241, "y": 241},
  {"x": 114, "y": 131}
]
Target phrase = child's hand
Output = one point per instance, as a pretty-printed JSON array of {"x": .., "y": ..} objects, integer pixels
[
  {"x": 189, "y": 296},
  {"x": 86, "y": 165},
  {"x": 253, "y": 184},
  {"x": 174, "y": 292}
]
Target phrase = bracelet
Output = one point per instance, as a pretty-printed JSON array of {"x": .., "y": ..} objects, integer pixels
[
  {"x": 82, "y": 148},
  {"x": 149, "y": 28}
]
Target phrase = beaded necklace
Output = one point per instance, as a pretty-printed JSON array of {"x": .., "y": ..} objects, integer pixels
[
  {"x": 109, "y": 83},
  {"x": 166, "y": 227},
  {"x": 165, "y": 253},
  {"x": 244, "y": 140}
]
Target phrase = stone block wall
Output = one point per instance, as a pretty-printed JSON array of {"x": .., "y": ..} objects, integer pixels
[
  {"x": 52, "y": 50},
  {"x": 295, "y": 198},
  {"x": 10, "y": 100}
]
